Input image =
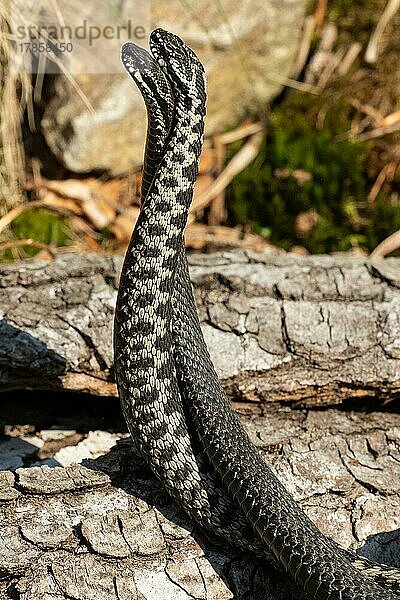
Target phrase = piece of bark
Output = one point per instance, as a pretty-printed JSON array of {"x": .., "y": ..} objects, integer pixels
[
  {"x": 107, "y": 529},
  {"x": 312, "y": 330}
]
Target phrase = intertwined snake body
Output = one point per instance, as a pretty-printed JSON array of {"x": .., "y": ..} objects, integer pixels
[{"x": 177, "y": 413}]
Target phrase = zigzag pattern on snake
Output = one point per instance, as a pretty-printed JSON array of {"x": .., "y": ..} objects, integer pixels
[{"x": 175, "y": 408}]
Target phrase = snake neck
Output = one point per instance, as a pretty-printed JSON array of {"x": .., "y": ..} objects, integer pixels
[{"x": 144, "y": 364}]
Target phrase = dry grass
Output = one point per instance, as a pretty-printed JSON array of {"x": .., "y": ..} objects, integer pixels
[{"x": 15, "y": 97}]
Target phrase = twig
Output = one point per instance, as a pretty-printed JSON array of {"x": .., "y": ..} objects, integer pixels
[
  {"x": 305, "y": 44},
  {"x": 323, "y": 54},
  {"x": 378, "y": 132},
  {"x": 357, "y": 126},
  {"x": 8, "y": 218},
  {"x": 367, "y": 109},
  {"x": 367, "y": 135},
  {"x": 391, "y": 119},
  {"x": 328, "y": 39},
  {"x": 371, "y": 53},
  {"x": 386, "y": 173},
  {"x": 27, "y": 242},
  {"x": 241, "y": 132},
  {"x": 217, "y": 212},
  {"x": 301, "y": 86},
  {"x": 235, "y": 166},
  {"x": 388, "y": 245},
  {"x": 332, "y": 63},
  {"x": 319, "y": 15},
  {"x": 349, "y": 58}
]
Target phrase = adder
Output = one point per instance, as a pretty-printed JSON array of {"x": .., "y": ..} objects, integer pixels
[{"x": 177, "y": 413}]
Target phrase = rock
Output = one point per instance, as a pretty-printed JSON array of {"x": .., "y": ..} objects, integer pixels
[
  {"x": 110, "y": 138},
  {"x": 247, "y": 54},
  {"x": 96, "y": 444}
]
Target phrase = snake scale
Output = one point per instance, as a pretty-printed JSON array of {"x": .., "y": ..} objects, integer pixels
[{"x": 177, "y": 413}]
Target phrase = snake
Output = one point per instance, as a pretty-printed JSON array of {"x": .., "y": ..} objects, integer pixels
[{"x": 176, "y": 410}]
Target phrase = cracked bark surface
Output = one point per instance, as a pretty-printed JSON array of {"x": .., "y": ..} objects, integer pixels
[
  {"x": 107, "y": 530},
  {"x": 308, "y": 349},
  {"x": 307, "y": 330}
]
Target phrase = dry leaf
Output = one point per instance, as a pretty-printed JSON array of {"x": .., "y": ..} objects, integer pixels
[
  {"x": 52, "y": 200},
  {"x": 198, "y": 236},
  {"x": 300, "y": 250},
  {"x": 306, "y": 221},
  {"x": 100, "y": 212},
  {"x": 123, "y": 225},
  {"x": 70, "y": 188}
]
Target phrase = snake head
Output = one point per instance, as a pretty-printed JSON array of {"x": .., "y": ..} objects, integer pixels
[
  {"x": 135, "y": 58},
  {"x": 147, "y": 74},
  {"x": 179, "y": 63}
]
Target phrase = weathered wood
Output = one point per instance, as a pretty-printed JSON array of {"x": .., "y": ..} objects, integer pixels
[
  {"x": 311, "y": 330},
  {"x": 107, "y": 530}
]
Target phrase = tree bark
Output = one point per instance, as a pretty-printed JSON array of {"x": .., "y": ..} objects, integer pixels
[
  {"x": 312, "y": 331},
  {"x": 291, "y": 337},
  {"x": 107, "y": 530}
]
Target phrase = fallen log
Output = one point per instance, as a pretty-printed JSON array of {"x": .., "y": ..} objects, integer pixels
[
  {"x": 290, "y": 337},
  {"x": 313, "y": 330},
  {"x": 107, "y": 530}
]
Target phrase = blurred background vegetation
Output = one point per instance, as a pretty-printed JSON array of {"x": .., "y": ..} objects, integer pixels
[
  {"x": 325, "y": 176},
  {"x": 314, "y": 183}
]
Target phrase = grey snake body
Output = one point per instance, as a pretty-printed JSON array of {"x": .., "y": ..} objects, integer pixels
[{"x": 178, "y": 415}]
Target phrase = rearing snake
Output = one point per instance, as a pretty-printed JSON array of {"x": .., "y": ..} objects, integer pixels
[{"x": 177, "y": 413}]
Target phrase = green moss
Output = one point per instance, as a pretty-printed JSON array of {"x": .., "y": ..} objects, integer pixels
[
  {"x": 42, "y": 226},
  {"x": 270, "y": 193}
]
